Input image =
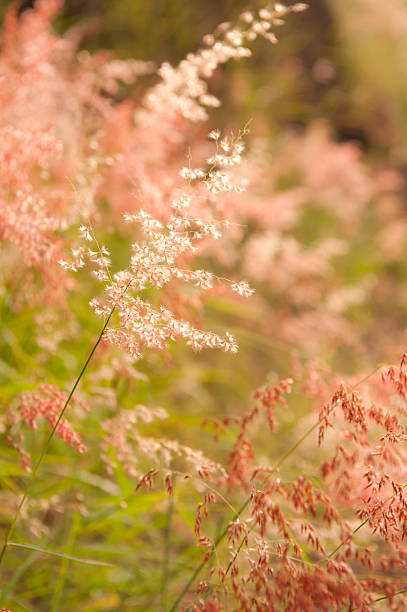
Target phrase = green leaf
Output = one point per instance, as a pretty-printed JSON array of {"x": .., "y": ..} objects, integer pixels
[{"x": 46, "y": 551}]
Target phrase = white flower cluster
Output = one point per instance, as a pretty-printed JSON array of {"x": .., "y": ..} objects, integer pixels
[{"x": 162, "y": 259}]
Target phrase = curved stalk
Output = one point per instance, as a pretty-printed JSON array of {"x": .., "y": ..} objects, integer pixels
[{"x": 46, "y": 446}]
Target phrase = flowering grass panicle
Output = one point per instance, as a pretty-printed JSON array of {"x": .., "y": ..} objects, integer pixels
[
  {"x": 162, "y": 259},
  {"x": 124, "y": 444},
  {"x": 183, "y": 90},
  {"x": 300, "y": 541}
]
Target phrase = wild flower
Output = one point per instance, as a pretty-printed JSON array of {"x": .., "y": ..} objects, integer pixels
[{"x": 54, "y": 171}]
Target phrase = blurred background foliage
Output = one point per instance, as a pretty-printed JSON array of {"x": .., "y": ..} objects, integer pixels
[{"x": 342, "y": 61}]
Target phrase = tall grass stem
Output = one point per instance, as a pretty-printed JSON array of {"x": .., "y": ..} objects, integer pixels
[{"x": 46, "y": 446}]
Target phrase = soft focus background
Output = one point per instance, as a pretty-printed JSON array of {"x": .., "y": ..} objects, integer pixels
[
  {"x": 322, "y": 238},
  {"x": 340, "y": 61}
]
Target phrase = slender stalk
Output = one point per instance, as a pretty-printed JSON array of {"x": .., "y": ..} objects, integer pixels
[
  {"x": 203, "y": 563},
  {"x": 383, "y": 597},
  {"x": 46, "y": 446},
  {"x": 167, "y": 551},
  {"x": 335, "y": 550}
]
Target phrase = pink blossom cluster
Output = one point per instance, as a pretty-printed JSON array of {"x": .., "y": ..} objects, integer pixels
[
  {"x": 301, "y": 540},
  {"x": 54, "y": 114},
  {"x": 66, "y": 144},
  {"x": 47, "y": 403},
  {"x": 311, "y": 298}
]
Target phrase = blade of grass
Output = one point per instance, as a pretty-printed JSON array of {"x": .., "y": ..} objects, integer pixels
[
  {"x": 55, "y": 553},
  {"x": 16, "y": 576},
  {"x": 59, "y": 587},
  {"x": 23, "y": 605}
]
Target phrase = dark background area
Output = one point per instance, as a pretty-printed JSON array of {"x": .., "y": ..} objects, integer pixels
[{"x": 306, "y": 76}]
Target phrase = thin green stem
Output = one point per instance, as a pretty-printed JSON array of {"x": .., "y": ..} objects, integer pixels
[
  {"x": 335, "y": 550},
  {"x": 167, "y": 552},
  {"x": 46, "y": 446},
  {"x": 320, "y": 421},
  {"x": 203, "y": 563},
  {"x": 383, "y": 597},
  {"x": 205, "y": 484}
]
